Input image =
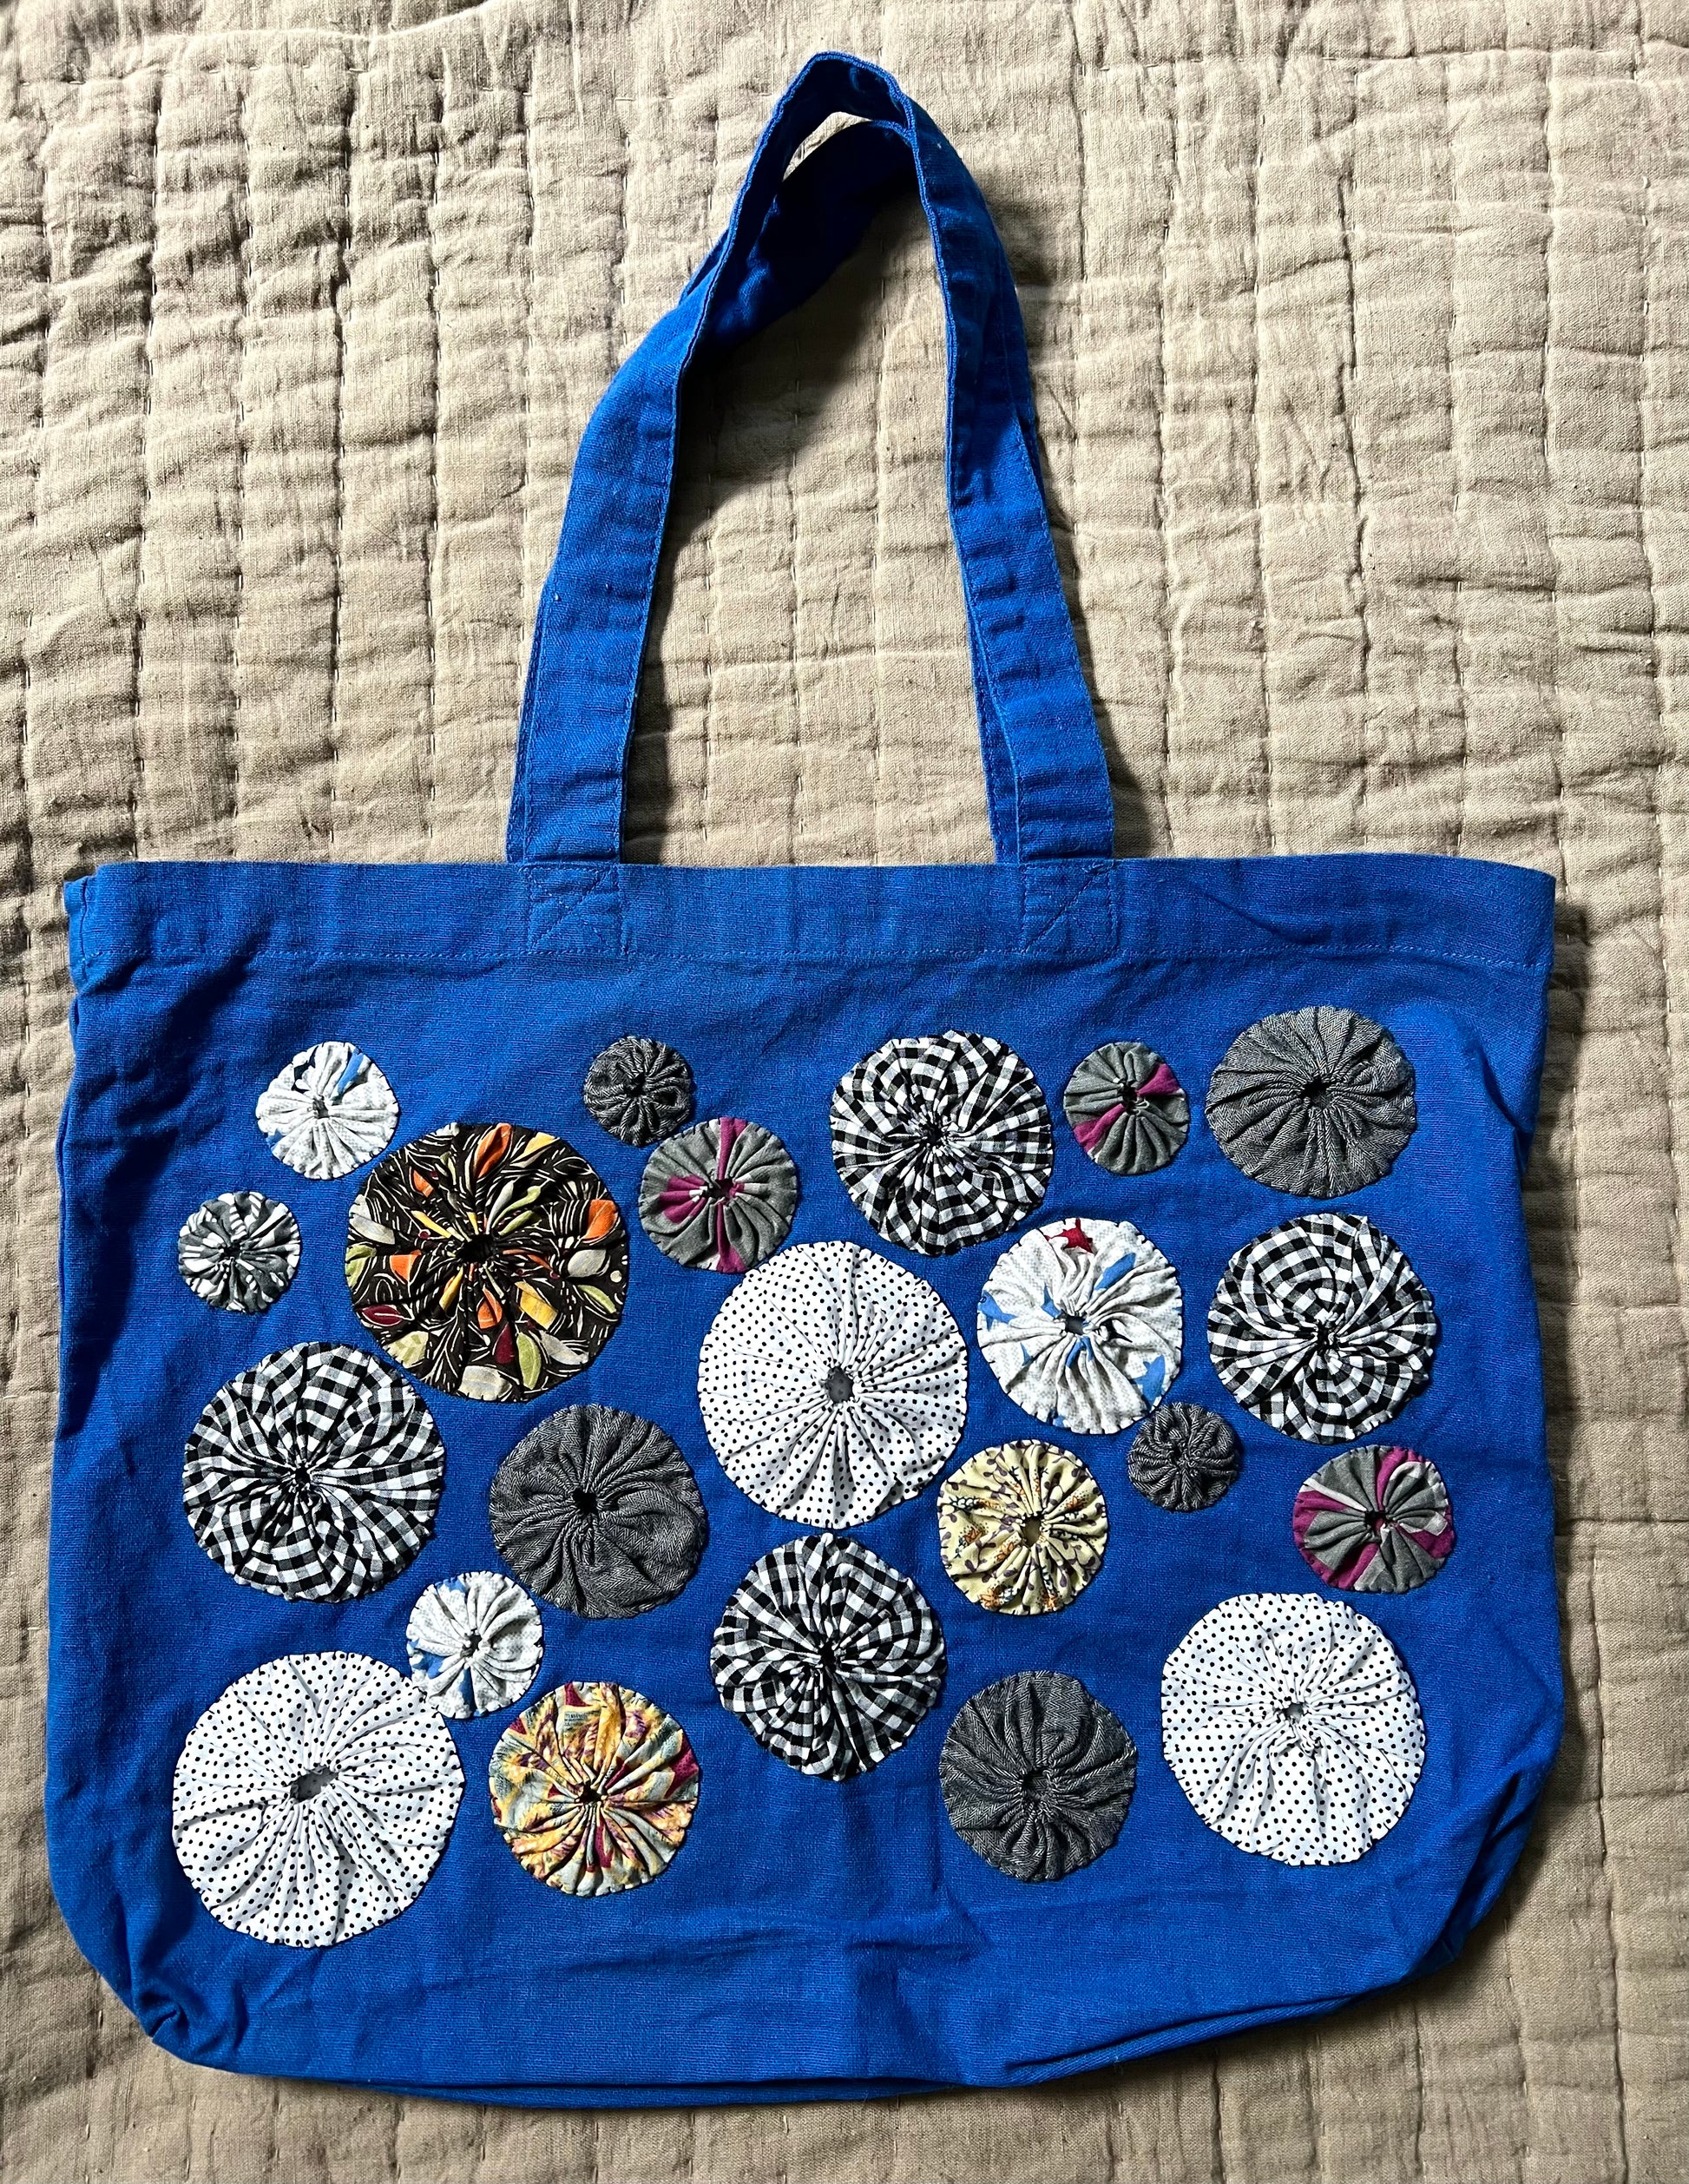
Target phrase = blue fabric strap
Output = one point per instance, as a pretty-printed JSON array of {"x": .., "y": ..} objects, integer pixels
[{"x": 1045, "y": 780}]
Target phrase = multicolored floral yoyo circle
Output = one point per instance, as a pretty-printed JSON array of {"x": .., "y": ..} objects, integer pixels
[
  {"x": 639, "y": 1091},
  {"x": 941, "y": 1141},
  {"x": 1021, "y": 1527},
  {"x": 238, "y": 1251},
  {"x": 1292, "y": 1726},
  {"x": 474, "y": 1643},
  {"x": 489, "y": 1260},
  {"x": 1082, "y": 1323},
  {"x": 1038, "y": 1775},
  {"x": 1321, "y": 1328},
  {"x": 720, "y": 1195},
  {"x": 1317, "y": 1101},
  {"x": 830, "y": 1657},
  {"x": 329, "y": 1111},
  {"x": 313, "y": 1799},
  {"x": 1127, "y": 1109},
  {"x": 1375, "y": 1521},
  {"x": 594, "y": 1787},
  {"x": 598, "y": 1510},
  {"x": 315, "y": 1474}
]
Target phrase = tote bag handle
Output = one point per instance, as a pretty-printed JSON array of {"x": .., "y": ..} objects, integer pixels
[{"x": 1045, "y": 780}]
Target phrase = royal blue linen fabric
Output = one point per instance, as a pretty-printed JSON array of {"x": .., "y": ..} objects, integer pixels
[{"x": 810, "y": 1938}]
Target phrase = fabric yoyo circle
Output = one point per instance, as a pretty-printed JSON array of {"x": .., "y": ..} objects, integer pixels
[
  {"x": 1321, "y": 1328},
  {"x": 833, "y": 1384},
  {"x": 598, "y": 1512},
  {"x": 1127, "y": 1109},
  {"x": 639, "y": 1091},
  {"x": 594, "y": 1787},
  {"x": 943, "y": 1141},
  {"x": 1082, "y": 1323},
  {"x": 315, "y": 1474},
  {"x": 830, "y": 1657},
  {"x": 1021, "y": 1527},
  {"x": 1291, "y": 1725},
  {"x": 1037, "y": 1775},
  {"x": 489, "y": 1260},
  {"x": 474, "y": 1643},
  {"x": 312, "y": 1800},
  {"x": 1375, "y": 1521},
  {"x": 1183, "y": 1457},
  {"x": 1317, "y": 1102},
  {"x": 238, "y": 1251},
  {"x": 329, "y": 1111},
  {"x": 720, "y": 1195}
]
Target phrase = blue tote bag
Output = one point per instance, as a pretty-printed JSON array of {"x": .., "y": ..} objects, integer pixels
[{"x": 683, "y": 1485}]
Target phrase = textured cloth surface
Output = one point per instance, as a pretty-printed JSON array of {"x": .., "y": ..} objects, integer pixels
[{"x": 1359, "y": 336}]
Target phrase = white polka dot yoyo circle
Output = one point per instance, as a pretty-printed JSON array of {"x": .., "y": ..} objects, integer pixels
[
  {"x": 833, "y": 1384},
  {"x": 313, "y": 1799},
  {"x": 1292, "y": 1726}
]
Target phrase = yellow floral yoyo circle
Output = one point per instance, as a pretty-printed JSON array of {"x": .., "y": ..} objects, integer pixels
[{"x": 1022, "y": 1527}]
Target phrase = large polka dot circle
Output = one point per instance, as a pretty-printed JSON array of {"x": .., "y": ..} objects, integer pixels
[
  {"x": 1292, "y": 1726},
  {"x": 312, "y": 1800},
  {"x": 833, "y": 1384}
]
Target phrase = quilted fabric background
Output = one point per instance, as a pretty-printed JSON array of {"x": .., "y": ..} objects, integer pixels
[{"x": 1361, "y": 332}]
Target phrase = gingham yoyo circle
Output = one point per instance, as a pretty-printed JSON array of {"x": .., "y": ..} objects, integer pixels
[
  {"x": 315, "y": 1474},
  {"x": 1321, "y": 1328},
  {"x": 830, "y": 1657},
  {"x": 941, "y": 1141}
]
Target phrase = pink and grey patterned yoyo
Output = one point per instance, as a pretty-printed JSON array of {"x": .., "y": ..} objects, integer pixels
[
  {"x": 720, "y": 1195},
  {"x": 1317, "y": 1102},
  {"x": 1037, "y": 1775},
  {"x": 639, "y": 1091},
  {"x": 1374, "y": 1521},
  {"x": 1127, "y": 1109}
]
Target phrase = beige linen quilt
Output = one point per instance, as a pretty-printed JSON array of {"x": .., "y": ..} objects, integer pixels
[{"x": 1361, "y": 337}]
